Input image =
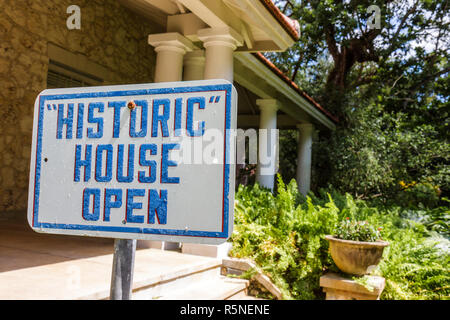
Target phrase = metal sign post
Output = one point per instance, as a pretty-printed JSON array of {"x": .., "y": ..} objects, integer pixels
[{"x": 122, "y": 270}]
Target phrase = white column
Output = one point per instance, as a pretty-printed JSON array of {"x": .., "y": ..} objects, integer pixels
[
  {"x": 194, "y": 65},
  {"x": 170, "y": 48},
  {"x": 219, "y": 44},
  {"x": 305, "y": 131},
  {"x": 267, "y": 142},
  {"x": 219, "y": 47}
]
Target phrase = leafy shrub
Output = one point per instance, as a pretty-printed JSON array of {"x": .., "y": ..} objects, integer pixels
[
  {"x": 284, "y": 234},
  {"x": 416, "y": 268},
  {"x": 436, "y": 219},
  {"x": 357, "y": 231},
  {"x": 380, "y": 149},
  {"x": 416, "y": 194},
  {"x": 284, "y": 239}
]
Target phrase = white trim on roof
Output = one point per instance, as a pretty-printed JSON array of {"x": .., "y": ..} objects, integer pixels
[{"x": 282, "y": 87}]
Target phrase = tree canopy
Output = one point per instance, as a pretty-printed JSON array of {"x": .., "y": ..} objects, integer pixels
[{"x": 383, "y": 68}]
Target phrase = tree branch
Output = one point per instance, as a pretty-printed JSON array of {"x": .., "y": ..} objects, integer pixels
[
  {"x": 430, "y": 78},
  {"x": 399, "y": 28},
  {"x": 331, "y": 42},
  {"x": 294, "y": 74}
]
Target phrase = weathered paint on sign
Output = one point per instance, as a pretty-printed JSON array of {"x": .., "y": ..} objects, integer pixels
[{"x": 103, "y": 162}]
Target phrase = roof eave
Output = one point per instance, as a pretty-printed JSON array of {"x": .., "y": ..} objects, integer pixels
[
  {"x": 285, "y": 22},
  {"x": 266, "y": 70}
]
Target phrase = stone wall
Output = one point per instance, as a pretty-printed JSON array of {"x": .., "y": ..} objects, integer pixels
[{"x": 111, "y": 37}]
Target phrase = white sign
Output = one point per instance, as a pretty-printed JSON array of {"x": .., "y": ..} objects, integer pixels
[{"x": 130, "y": 161}]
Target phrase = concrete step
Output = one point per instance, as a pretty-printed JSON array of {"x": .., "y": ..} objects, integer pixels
[
  {"x": 216, "y": 288},
  {"x": 201, "y": 281},
  {"x": 220, "y": 288},
  {"x": 171, "y": 282},
  {"x": 243, "y": 296}
]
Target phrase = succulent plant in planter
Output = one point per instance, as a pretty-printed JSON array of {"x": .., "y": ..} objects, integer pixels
[{"x": 356, "y": 248}]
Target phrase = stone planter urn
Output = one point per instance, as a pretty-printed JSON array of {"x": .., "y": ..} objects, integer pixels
[{"x": 356, "y": 257}]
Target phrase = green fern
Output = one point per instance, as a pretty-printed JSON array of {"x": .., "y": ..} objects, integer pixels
[{"x": 284, "y": 235}]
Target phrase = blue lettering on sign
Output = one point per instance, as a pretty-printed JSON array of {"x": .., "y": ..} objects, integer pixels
[
  {"x": 166, "y": 163},
  {"x": 113, "y": 199},
  {"x": 67, "y": 121},
  {"x": 86, "y": 163},
  {"x": 117, "y": 105},
  {"x": 130, "y": 167},
  {"x": 163, "y": 119},
  {"x": 160, "y": 118},
  {"x": 200, "y": 101},
  {"x": 104, "y": 155},
  {"x": 177, "y": 118},
  {"x": 95, "y": 214},
  {"x": 144, "y": 111},
  {"x": 99, "y": 121},
  {"x": 147, "y": 163},
  {"x": 131, "y": 205},
  {"x": 99, "y": 177},
  {"x": 108, "y": 203},
  {"x": 80, "y": 120},
  {"x": 157, "y": 206}
]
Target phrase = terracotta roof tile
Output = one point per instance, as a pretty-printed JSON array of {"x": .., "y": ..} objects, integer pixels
[{"x": 291, "y": 26}]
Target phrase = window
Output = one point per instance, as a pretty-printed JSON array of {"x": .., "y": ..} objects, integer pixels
[{"x": 62, "y": 76}]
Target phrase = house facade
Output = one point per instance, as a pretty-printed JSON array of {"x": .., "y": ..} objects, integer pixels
[{"x": 73, "y": 43}]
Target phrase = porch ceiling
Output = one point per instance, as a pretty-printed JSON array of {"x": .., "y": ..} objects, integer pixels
[
  {"x": 249, "y": 113},
  {"x": 147, "y": 10},
  {"x": 254, "y": 75},
  {"x": 262, "y": 27}
]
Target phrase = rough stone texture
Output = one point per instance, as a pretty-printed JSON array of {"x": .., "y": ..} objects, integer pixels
[{"x": 110, "y": 36}]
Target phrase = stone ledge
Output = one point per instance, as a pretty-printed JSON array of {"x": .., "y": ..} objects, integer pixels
[
  {"x": 238, "y": 266},
  {"x": 340, "y": 288}
]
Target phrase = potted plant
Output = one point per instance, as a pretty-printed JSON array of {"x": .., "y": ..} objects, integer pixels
[{"x": 356, "y": 248}]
